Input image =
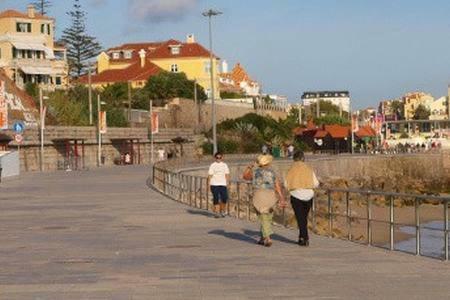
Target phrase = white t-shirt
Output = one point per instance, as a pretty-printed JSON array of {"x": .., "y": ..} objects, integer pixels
[
  {"x": 217, "y": 171},
  {"x": 161, "y": 154},
  {"x": 305, "y": 194}
]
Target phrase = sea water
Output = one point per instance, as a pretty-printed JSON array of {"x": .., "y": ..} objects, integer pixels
[{"x": 431, "y": 239}]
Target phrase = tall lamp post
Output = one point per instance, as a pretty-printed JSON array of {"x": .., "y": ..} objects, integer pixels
[
  {"x": 211, "y": 13},
  {"x": 42, "y": 126},
  {"x": 99, "y": 125}
]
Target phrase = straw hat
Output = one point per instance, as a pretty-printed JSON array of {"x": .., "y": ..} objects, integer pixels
[{"x": 264, "y": 160}]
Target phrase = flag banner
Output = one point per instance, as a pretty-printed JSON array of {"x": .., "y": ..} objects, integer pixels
[
  {"x": 3, "y": 108},
  {"x": 355, "y": 125},
  {"x": 154, "y": 123},
  {"x": 102, "y": 122},
  {"x": 378, "y": 123}
]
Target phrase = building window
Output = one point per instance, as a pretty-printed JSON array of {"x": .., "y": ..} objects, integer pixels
[
  {"x": 38, "y": 54},
  {"x": 42, "y": 28},
  {"x": 127, "y": 54},
  {"x": 207, "y": 67},
  {"x": 58, "y": 80},
  {"x": 23, "y": 27},
  {"x": 48, "y": 29},
  {"x": 175, "y": 50},
  {"x": 116, "y": 55},
  {"x": 174, "y": 68}
]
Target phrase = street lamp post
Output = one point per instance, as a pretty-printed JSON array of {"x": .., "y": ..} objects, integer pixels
[
  {"x": 99, "y": 120},
  {"x": 90, "y": 95},
  {"x": 42, "y": 126},
  {"x": 211, "y": 13}
]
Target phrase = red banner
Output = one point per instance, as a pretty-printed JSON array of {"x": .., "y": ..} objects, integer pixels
[
  {"x": 154, "y": 123},
  {"x": 355, "y": 124},
  {"x": 3, "y": 107},
  {"x": 102, "y": 122}
]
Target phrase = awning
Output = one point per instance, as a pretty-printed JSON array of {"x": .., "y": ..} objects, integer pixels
[
  {"x": 37, "y": 70},
  {"x": 34, "y": 46}
]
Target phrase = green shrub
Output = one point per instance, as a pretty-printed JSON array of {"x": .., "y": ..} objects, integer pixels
[{"x": 224, "y": 146}]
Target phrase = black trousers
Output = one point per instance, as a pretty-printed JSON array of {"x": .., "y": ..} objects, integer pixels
[{"x": 301, "y": 209}]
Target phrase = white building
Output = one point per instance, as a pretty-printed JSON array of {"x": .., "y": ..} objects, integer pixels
[{"x": 338, "y": 98}]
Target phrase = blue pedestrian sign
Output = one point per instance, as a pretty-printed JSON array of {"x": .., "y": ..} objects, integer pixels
[{"x": 18, "y": 127}]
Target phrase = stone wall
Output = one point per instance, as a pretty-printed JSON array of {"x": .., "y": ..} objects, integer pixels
[
  {"x": 113, "y": 145},
  {"x": 415, "y": 173},
  {"x": 182, "y": 113}
]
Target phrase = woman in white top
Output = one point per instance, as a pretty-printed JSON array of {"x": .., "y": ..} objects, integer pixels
[{"x": 218, "y": 178}]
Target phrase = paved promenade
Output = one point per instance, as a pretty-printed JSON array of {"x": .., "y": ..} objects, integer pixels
[{"x": 103, "y": 234}]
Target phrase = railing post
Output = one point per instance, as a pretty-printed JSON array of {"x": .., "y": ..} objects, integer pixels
[
  {"x": 229, "y": 199},
  {"x": 446, "y": 230},
  {"x": 369, "y": 220},
  {"x": 417, "y": 216},
  {"x": 190, "y": 189},
  {"x": 180, "y": 187},
  {"x": 207, "y": 195},
  {"x": 313, "y": 208},
  {"x": 391, "y": 223},
  {"x": 153, "y": 174},
  {"x": 330, "y": 222},
  {"x": 195, "y": 191},
  {"x": 248, "y": 202},
  {"x": 348, "y": 215},
  {"x": 238, "y": 186},
  {"x": 201, "y": 192}
]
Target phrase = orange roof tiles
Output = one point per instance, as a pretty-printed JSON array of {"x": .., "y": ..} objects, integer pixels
[
  {"x": 337, "y": 131},
  {"x": 158, "y": 50},
  {"x": 132, "y": 73},
  {"x": 365, "y": 131},
  {"x": 10, "y": 13}
]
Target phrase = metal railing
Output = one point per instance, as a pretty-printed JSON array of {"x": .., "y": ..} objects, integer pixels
[{"x": 392, "y": 221}]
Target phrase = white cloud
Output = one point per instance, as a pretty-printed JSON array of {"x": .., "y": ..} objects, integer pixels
[{"x": 156, "y": 11}]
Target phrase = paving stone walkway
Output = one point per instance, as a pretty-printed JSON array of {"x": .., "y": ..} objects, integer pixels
[{"x": 103, "y": 234}]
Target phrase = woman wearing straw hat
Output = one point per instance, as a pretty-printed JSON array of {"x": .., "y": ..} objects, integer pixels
[{"x": 267, "y": 191}]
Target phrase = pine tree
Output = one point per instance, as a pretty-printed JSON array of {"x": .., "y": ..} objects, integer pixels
[
  {"x": 42, "y": 6},
  {"x": 81, "y": 47}
]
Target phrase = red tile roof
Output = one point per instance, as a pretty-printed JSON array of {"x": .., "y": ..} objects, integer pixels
[
  {"x": 132, "y": 73},
  {"x": 10, "y": 13},
  {"x": 159, "y": 50},
  {"x": 365, "y": 131},
  {"x": 337, "y": 131}
]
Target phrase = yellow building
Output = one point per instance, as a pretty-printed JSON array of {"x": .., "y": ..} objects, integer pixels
[
  {"x": 28, "y": 52},
  {"x": 136, "y": 62},
  {"x": 412, "y": 100}
]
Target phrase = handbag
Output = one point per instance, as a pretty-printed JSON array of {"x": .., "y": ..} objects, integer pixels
[
  {"x": 264, "y": 200},
  {"x": 248, "y": 174}
]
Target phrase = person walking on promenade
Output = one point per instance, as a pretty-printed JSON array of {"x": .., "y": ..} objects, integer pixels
[
  {"x": 267, "y": 192},
  {"x": 218, "y": 179},
  {"x": 300, "y": 181}
]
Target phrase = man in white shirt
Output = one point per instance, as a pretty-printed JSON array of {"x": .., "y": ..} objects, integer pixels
[
  {"x": 218, "y": 178},
  {"x": 301, "y": 182}
]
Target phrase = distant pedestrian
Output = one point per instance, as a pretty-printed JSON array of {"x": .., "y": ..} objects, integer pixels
[
  {"x": 161, "y": 154},
  {"x": 290, "y": 151},
  {"x": 267, "y": 192},
  {"x": 218, "y": 179},
  {"x": 127, "y": 158},
  {"x": 300, "y": 181},
  {"x": 264, "y": 149}
]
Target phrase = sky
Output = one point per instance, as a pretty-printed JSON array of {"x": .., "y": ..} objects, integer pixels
[{"x": 375, "y": 49}]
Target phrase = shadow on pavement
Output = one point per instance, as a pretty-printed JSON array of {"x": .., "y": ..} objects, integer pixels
[
  {"x": 249, "y": 236},
  {"x": 234, "y": 236},
  {"x": 200, "y": 213},
  {"x": 275, "y": 237}
]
